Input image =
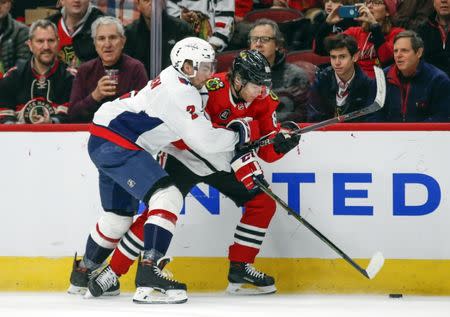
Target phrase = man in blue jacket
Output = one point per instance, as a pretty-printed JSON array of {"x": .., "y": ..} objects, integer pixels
[
  {"x": 342, "y": 87},
  {"x": 416, "y": 90}
]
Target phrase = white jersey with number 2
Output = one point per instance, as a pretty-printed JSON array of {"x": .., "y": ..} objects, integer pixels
[{"x": 166, "y": 110}]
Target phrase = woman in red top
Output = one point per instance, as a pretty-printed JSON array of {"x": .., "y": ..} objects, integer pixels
[{"x": 376, "y": 34}]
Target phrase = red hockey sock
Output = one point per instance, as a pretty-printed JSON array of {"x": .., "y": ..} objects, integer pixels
[{"x": 129, "y": 247}]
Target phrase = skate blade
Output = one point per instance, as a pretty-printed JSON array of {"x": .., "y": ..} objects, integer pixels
[
  {"x": 88, "y": 295},
  {"x": 149, "y": 295},
  {"x": 112, "y": 293},
  {"x": 246, "y": 289},
  {"x": 76, "y": 290}
]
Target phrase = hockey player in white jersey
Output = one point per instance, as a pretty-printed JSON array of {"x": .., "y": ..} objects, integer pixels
[
  {"x": 125, "y": 134},
  {"x": 188, "y": 168}
]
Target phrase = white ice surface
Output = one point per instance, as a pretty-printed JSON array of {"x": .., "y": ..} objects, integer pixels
[{"x": 218, "y": 304}]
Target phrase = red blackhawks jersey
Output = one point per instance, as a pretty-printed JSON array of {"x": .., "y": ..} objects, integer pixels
[
  {"x": 221, "y": 109},
  {"x": 66, "y": 51}
]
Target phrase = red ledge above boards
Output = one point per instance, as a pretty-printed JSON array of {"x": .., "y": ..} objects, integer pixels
[{"x": 336, "y": 127}]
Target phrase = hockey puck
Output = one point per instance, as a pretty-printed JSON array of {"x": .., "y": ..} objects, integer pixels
[{"x": 395, "y": 295}]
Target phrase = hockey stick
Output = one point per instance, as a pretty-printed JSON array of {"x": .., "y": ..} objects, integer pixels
[
  {"x": 376, "y": 262},
  {"x": 377, "y": 104}
]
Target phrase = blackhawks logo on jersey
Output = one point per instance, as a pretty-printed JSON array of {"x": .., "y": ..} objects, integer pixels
[{"x": 214, "y": 84}]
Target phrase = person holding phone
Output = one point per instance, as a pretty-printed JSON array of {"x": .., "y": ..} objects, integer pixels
[
  {"x": 322, "y": 28},
  {"x": 375, "y": 35}
]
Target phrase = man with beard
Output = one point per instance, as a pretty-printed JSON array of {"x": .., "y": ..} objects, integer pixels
[{"x": 38, "y": 90}]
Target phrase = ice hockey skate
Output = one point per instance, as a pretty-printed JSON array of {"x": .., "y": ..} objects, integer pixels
[
  {"x": 155, "y": 286},
  {"x": 102, "y": 280},
  {"x": 79, "y": 279},
  {"x": 244, "y": 279}
]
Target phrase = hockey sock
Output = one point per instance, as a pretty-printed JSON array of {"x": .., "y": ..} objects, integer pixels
[
  {"x": 158, "y": 232},
  {"x": 104, "y": 238},
  {"x": 129, "y": 247},
  {"x": 251, "y": 230},
  {"x": 95, "y": 254}
]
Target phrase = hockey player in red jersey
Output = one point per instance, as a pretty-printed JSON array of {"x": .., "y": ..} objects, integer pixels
[{"x": 242, "y": 93}]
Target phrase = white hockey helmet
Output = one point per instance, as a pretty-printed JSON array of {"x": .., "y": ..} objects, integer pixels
[{"x": 194, "y": 49}]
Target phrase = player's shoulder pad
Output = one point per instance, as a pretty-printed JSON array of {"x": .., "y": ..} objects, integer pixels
[
  {"x": 214, "y": 84},
  {"x": 273, "y": 95}
]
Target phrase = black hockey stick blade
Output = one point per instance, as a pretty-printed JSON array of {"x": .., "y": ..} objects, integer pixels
[{"x": 376, "y": 262}]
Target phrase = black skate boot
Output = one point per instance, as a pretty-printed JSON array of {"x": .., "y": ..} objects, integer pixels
[
  {"x": 79, "y": 279},
  {"x": 155, "y": 286},
  {"x": 245, "y": 279},
  {"x": 102, "y": 280}
]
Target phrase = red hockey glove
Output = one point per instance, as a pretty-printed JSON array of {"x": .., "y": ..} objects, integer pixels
[
  {"x": 284, "y": 141},
  {"x": 247, "y": 128},
  {"x": 246, "y": 167}
]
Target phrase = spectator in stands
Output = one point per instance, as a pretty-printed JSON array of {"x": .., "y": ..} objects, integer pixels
[
  {"x": 321, "y": 29},
  {"x": 125, "y": 10},
  {"x": 212, "y": 20},
  {"x": 416, "y": 91},
  {"x": 342, "y": 87},
  {"x": 289, "y": 81},
  {"x": 37, "y": 90},
  {"x": 376, "y": 34},
  {"x": 436, "y": 36},
  {"x": 74, "y": 28},
  {"x": 245, "y": 6},
  {"x": 19, "y": 7},
  {"x": 138, "y": 35},
  {"x": 13, "y": 36},
  {"x": 92, "y": 86},
  {"x": 412, "y": 13}
]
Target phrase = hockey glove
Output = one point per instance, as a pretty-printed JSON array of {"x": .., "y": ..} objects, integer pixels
[
  {"x": 247, "y": 128},
  {"x": 284, "y": 141},
  {"x": 246, "y": 167}
]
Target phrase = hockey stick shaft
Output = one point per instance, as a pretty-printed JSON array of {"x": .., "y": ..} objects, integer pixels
[
  {"x": 375, "y": 106},
  {"x": 328, "y": 242},
  {"x": 342, "y": 118}
]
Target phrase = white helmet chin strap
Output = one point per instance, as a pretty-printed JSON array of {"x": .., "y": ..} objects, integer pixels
[
  {"x": 187, "y": 75},
  {"x": 193, "y": 75}
]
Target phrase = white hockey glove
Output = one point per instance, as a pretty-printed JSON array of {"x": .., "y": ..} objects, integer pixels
[
  {"x": 246, "y": 167},
  {"x": 247, "y": 128},
  {"x": 284, "y": 141}
]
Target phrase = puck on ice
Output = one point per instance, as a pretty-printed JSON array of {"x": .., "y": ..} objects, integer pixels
[{"x": 395, "y": 295}]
